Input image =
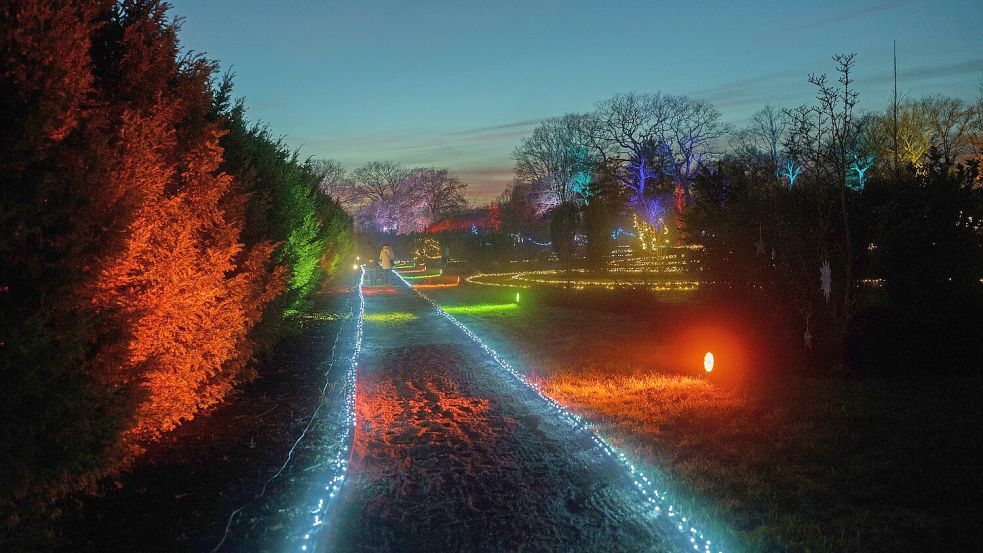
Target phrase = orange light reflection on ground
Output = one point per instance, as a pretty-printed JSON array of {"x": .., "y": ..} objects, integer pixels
[
  {"x": 426, "y": 286},
  {"x": 456, "y": 282},
  {"x": 375, "y": 291},
  {"x": 398, "y": 418}
]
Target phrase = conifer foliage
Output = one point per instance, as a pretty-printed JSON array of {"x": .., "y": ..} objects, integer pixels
[{"x": 143, "y": 268}]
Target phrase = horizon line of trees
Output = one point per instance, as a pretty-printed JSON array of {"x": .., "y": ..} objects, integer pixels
[
  {"x": 884, "y": 199},
  {"x": 384, "y": 196},
  {"x": 656, "y": 143},
  {"x": 652, "y": 144},
  {"x": 154, "y": 244}
]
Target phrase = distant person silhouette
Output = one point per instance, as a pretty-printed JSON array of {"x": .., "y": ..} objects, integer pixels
[{"x": 386, "y": 258}]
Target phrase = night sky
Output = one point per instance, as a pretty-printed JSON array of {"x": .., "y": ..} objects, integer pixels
[{"x": 456, "y": 84}]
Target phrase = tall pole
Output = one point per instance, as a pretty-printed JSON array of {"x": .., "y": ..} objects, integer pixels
[{"x": 897, "y": 159}]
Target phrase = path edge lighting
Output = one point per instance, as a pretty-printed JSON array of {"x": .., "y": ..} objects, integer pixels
[
  {"x": 338, "y": 467},
  {"x": 657, "y": 499}
]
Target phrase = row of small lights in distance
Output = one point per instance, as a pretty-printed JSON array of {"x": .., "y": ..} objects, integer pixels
[{"x": 521, "y": 279}]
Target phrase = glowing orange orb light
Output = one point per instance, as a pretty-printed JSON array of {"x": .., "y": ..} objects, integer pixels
[{"x": 708, "y": 362}]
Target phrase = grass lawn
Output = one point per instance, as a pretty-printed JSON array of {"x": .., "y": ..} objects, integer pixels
[{"x": 787, "y": 463}]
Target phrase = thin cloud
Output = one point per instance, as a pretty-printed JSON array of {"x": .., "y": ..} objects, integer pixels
[
  {"x": 494, "y": 133},
  {"x": 496, "y": 173},
  {"x": 504, "y": 135},
  {"x": 927, "y": 72},
  {"x": 760, "y": 100},
  {"x": 758, "y": 90},
  {"x": 852, "y": 14},
  {"x": 515, "y": 125}
]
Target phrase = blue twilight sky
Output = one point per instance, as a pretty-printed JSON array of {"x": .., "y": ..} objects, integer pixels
[{"x": 456, "y": 84}]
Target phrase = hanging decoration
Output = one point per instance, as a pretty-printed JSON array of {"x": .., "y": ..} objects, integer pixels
[
  {"x": 826, "y": 279},
  {"x": 807, "y": 336},
  {"x": 759, "y": 246}
]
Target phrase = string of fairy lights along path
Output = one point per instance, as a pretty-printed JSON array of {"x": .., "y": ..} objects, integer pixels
[
  {"x": 657, "y": 499},
  {"x": 338, "y": 468},
  {"x": 324, "y": 389}
]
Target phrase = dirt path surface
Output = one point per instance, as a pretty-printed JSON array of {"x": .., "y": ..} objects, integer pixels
[{"x": 452, "y": 454}]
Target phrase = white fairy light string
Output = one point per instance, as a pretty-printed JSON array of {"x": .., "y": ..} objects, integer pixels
[
  {"x": 526, "y": 279},
  {"x": 668, "y": 271},
  {"x": 338, "y": 468},
  {"x": 235, "y": 513},
  {"x": 657, "y": 499}
]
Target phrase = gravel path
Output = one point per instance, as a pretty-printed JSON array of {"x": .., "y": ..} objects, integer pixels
[{"x": 451, "y": 454}]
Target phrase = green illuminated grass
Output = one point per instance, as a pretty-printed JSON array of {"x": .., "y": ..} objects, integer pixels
[
  {"x": 393, "y": 318},
  {"x": 482, "y": 308}
]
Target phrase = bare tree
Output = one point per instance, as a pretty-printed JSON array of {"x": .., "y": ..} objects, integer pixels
[
  {"x": 385, "y": 196},
  {"x": 626, "y": 130},
  {"x": 939, "y": 121},
  {"x": 381, "y": 195},
  {"x": 765, "y": 137},
  {"x": 654, "y": 136},
  {"x": 803, "y": 149},
  {"x": 438, "y": 189},
  {"x": 836, "y": 104},
  {"x": 379, "y": 180},
  {"x": 334, "y": 181},
  {"x": 950, "y": 123},
  {"x": 555, "y": 161},
  {"x": 976, "y": 125},
  {"x": 909, "y": 128},
  {"x": 694, "y": 128}
]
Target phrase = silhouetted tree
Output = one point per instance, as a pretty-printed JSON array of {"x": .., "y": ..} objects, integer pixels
[{"x": 563, "y": 230}]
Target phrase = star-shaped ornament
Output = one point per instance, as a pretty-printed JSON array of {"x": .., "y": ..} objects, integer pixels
[
  {"x": 759, "y": 246},
  {"x": 826, "y": 279}
]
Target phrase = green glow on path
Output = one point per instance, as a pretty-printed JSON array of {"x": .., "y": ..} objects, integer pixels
[
  {"x": 481, "y": 308},
  {"x": 392, "y": 318}
]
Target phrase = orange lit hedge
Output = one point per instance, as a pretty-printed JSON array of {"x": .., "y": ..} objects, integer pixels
[{"x": 135, "y": 271}]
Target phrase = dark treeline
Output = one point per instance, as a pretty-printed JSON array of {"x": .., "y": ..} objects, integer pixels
[
  {"x": 865, "y": 253},
  {"x": 855, "y": 237},
  {"x": 153, "y": 243}
]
